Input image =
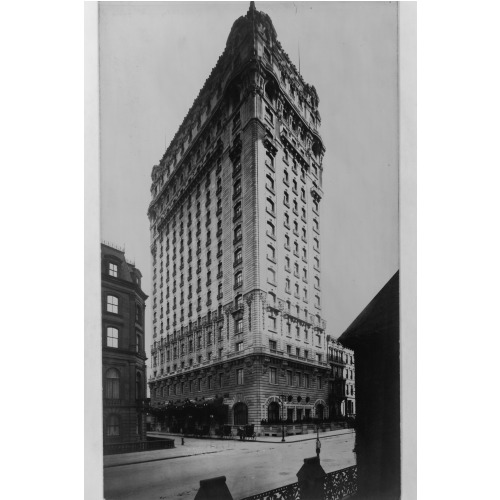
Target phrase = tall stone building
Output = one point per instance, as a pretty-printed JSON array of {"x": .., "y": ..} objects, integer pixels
[
  {"x": 123, "y": 354},
  {"x": 235, "y": 241}
]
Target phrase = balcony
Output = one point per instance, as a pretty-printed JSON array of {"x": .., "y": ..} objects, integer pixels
[
  {"x": 219, "y": 275},
  {"x": 219, "y": 254},
  {"x": 237, "y": 262}
]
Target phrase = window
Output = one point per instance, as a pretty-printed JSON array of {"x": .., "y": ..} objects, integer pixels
[
  {"x": 306, "y": 379},
  {"x": 270, "y": 228},
  {"x": 271, "y": 275},
  {"x": 287, "y": 241},
  {"x": 317, "y": 300},
  {"x": 272, "y": 345},
  {"x": 239, "y": 326},
  {"x": 272, "y": 322},
  {"x": 239, "y": 376},
  {"x": 237, "y": 209},
  {"x": 238, "y": 256},
  {"x": 113, "y": 384},
  {"x": 285, "y": 172},
  {"x": 209, "y": 381},
  {"x": 289, "y": 377},
  {"x": 237, "y": 187},
  {"x": 221, "y": 379},
  {"x": 269, "y": 182},
  {"x": 113, "y": 426},
  {"x": 287, "y": 285},
  {"x": 271, "y": 298},
  {"x": 286, "y": 200},
  {"x": 238, "y": 301},
  {"x": 111, "y": 337},
  {"x": 237, "y": 232},
  {"x": 271, "y": 253},
  {"x": 319, "y": 383},
  {"x": 272, "y": 376},
  {"x": 270, "y": 205},
  {"x": 238, "y": 279},
  {"x": 112, "y": 304},
  {"x": 113, "y": 270},
  {"x": 239, "y": 346}
]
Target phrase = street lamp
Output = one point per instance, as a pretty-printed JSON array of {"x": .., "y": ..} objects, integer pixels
[{"x": 282, "y": 397}]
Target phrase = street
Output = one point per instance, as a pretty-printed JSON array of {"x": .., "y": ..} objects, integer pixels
[{"x": 250, "y": 468}]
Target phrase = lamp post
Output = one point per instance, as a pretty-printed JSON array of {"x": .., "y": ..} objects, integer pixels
[{"x": 282, "y": 397}]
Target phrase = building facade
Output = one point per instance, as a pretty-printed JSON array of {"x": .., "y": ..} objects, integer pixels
[
  {"x": 341, "y": 388},
  {"x": 123, "y": 354},
  {"x": 235, "y": 241}
]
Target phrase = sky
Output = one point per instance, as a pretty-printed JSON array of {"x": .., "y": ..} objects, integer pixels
[{"x": 154, "y": 59}]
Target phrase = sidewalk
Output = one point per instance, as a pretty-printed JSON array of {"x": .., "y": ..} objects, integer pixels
[{"x": 204, "y": 446}]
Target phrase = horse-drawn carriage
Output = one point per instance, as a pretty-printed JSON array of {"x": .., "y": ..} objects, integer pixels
[{"x": 246, "y": 431}]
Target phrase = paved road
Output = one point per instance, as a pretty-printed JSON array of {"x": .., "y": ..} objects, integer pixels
[{"x": 250, "y": 468}]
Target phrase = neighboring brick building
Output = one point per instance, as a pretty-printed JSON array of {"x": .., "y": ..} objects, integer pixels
[
  {"x": 341, "y": 399},
  {"x": 123, "y": 355},
  {"x": 235, "y": 241}
]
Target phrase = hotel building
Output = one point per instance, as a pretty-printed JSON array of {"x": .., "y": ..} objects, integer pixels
[{"x": 235, "y": 222}]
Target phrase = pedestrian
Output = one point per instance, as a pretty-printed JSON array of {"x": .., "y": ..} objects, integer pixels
[{"x": 318, "y": 447}]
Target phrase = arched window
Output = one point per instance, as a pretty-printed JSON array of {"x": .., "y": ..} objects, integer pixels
[
  {"x": 273, "y": 412},
  {"x": 240, "y": 412},
  {"x": 320, "y": 411},
  {"x": 111, "y": 337},
  {"x": 113, "y": 425},
  {"x": 112, "y": 304},
  {"x": 112, "y": 384}
]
